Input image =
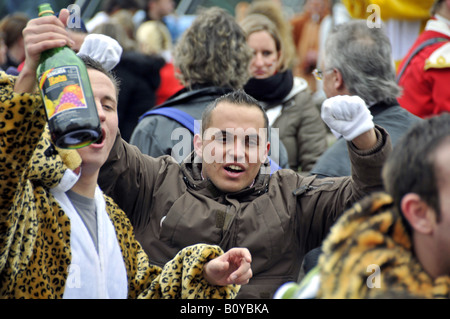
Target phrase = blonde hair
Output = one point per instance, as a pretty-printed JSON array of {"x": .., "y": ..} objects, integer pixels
[
  {"x": 124, "y": 18},
  {"x": 153, "y": 37},
  {"x": 273, "y": 11},
  {"x": 116, "y": 32},
  {"x": 258, "y": 22}
]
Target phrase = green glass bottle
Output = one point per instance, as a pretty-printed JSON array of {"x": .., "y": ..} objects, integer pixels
[{"x": 67, "y": 94}]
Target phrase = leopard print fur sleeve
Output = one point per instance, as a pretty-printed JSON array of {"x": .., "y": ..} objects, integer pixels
[{"x": 182, "y": 277}]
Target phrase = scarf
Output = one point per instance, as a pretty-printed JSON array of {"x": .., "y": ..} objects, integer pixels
[{"x": 272, "y": 89}]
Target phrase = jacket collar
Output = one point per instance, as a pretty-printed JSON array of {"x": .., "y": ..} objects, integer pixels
[
  {"x": 439, "y": 24},
  {"x": 382, "y": 106}
]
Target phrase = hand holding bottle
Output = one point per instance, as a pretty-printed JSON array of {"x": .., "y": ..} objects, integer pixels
[
  {"x": 39, "y": 35},
  {"x": 62, "y": 78}
]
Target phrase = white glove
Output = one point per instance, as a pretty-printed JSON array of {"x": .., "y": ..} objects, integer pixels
[
  {"x": 347, "y": 116},
  {"x": 103, "y": 49}
]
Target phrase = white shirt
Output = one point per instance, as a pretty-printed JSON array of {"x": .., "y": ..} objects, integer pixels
[{"x": 92, "y": 275}]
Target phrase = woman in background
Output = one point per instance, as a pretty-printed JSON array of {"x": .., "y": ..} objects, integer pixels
[
  {"x": 138, "y": 74},
  {"x": 153, "y": 37},
  {"x": 286, "y": 99}
]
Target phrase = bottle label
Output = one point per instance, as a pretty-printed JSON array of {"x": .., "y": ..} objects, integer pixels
[{"x": 62, "y": 90}]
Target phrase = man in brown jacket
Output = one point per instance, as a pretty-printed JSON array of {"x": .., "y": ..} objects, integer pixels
[{"x": 224, "y": 193}]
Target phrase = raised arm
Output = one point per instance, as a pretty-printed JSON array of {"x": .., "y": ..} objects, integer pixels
[
  {"x": 128, "y": 171},
  {"x": 39, "y": 35},
  {"x": 323, "y": 200},
  {"x": 349, "y": 117},
  {"x": 22, "y": 116},
  {"x": 368, "y": 145}
]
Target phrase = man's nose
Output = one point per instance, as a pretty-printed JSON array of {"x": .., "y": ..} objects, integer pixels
[
  {"x": 237, "y": 149},
  {"x": 100, "y": 111}
]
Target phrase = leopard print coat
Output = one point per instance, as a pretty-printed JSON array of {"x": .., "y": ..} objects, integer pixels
[
  {"x": 370, "y": 235},
  {"x": 35, "y": 250}
]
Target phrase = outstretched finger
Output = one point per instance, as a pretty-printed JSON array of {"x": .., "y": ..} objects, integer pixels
[{"x": 240, "y": 253}]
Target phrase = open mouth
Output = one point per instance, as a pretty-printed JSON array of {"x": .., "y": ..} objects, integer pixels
[
  {"x": 101, "y": 139},
  {"x": 234, "y": 169}
]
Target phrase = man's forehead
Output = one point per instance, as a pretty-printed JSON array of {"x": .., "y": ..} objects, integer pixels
[
  {"x": 237, "y": 131},
  {"x": 101, "y": 80},
  {"x": 230, "y": 111}
]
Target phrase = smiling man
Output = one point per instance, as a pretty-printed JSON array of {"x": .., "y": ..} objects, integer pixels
[
  {"x": 234, "y": 143},
  {"x": 223, "y": 192},
  {"x": 60, "y": 237}
]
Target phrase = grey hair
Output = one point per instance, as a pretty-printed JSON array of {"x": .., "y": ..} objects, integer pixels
[{"x": 363, "y": 57}]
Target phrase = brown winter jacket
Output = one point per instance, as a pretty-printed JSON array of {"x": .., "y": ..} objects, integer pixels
[{"x": 279, "y": 219}]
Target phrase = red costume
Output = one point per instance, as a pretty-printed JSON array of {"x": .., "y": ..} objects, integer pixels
[{"x": 426, "y": 78}]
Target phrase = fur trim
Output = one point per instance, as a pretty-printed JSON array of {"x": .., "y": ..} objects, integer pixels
[{"x": 369, "y": 254}]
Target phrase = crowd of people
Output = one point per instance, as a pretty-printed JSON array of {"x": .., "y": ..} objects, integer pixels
[{"x": 251, "y": 155}]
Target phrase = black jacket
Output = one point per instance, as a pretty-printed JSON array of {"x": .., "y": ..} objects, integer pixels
[{"x": 139, "y": 79}]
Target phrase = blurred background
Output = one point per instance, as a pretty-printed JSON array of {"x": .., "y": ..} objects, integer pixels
[{"x": 90, "y": 7}]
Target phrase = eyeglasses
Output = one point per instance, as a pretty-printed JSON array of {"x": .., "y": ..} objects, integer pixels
[{"x": 318, "y": 74}]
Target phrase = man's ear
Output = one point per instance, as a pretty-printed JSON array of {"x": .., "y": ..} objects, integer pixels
[
  {"x": 266, "y": 152},
  {"x": 339, "y": 84},
  {"x": 198, "y": 145},
  {"x": 419, "y": 214}
]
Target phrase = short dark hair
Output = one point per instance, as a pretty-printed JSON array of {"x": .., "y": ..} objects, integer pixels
[
  {"x": 410, "y": 168},
  {"x": 238, "y": 97},
  {"x": 12, "y": 26},
  {"x": 436, "y": 7},
  {"x": 109, "y": 6}
]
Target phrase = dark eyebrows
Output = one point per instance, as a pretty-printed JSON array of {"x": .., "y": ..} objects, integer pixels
[
  {"x": 229, "y": 135},
  {"x": 108, "y": 98},
  {"x": 254, "y": 136}
]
